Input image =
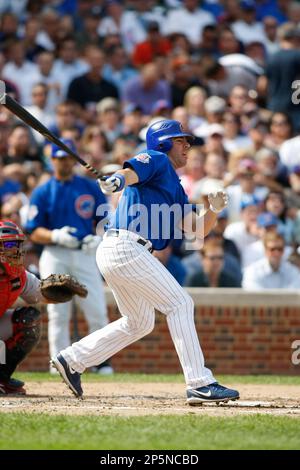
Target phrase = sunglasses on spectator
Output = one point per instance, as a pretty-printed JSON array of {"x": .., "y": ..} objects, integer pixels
[
  {"x": 275, "y": 248},
  {"x": 240, "y": 96},
  {"x": 215, "y": 257},
  {"x": 235, "y": 121},
  {"x": 279, "y": 123},
  {"x": 94, "y": 134}
]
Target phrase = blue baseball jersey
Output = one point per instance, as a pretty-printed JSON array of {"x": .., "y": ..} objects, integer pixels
[
  {"x": 155, "y": 205},
  {"x": 58, "y": 203}
]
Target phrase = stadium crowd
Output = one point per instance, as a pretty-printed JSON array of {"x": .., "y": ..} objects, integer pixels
[{"x": 99, "y": 72}]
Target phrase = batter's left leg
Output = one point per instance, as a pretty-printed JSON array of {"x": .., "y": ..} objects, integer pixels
[{"x": 137, "y": 321}]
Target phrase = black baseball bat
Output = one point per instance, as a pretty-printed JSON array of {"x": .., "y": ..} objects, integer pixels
[{"x": 31, "y": 121}]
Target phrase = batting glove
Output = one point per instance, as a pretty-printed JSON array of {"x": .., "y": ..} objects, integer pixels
[
  {"x": 218, "y": 201},
  {"x": 111, "y": 184},
  {"x": 90, "y": 243},
  {"x": 62, "y": 236}
]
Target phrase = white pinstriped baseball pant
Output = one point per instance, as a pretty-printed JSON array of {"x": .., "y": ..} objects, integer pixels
[{"x": 140, "y": 284}]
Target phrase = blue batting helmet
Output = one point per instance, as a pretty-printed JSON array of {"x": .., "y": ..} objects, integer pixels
[{"x": 159, "y": 136}]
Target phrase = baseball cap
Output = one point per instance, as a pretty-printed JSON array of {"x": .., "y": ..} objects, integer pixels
[
  {"x": 206, "y": 130},
  {"x": 107, "y": 104},
  {"x": 266, "y": 219},
  {"x": 247, "y": 5},
  {"x": 214, "y": 129},
  {"x": 215, "y": 104},
  {"x": 248, "y": 200},
  {"x": 57, "y": 152}
]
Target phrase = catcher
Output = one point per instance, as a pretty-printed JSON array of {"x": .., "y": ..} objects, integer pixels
[{"x": 20, "y": 328}]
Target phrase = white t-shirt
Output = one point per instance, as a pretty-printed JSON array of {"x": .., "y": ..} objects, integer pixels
[
  {"x": 260, "y": 275},
  {"x": 240, "y": 141},
  {"x": 24, "y": 77},
  {"x": 43, "y": 115},
  {"x": 189, "y": 23},
  {"x": 247, "y": 33},
  {"x": 289, "y": 152},
  {"x": 130, "y": 29},
  {"x": 238, "y": 234}
]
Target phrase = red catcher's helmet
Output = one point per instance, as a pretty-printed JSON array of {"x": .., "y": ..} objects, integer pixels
[{"x": 11, "y": 246}]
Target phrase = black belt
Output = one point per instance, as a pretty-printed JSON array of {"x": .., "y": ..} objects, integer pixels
[{"x": 113, "y": 232}]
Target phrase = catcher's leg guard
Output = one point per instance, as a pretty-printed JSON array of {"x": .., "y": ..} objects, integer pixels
[{"x": 26, "y": 324}]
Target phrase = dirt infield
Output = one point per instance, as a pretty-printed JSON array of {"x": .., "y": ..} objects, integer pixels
[{"x": 138, "y": 399}]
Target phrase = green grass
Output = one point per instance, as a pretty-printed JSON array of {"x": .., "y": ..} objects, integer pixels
[
  {"x": 24, "y": 431},
  {"x": 188, "y": 432},
  {"x": 178, "y": 378}
]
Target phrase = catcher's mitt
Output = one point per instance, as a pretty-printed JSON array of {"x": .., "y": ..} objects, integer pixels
[{"x": 61, "y": 288}]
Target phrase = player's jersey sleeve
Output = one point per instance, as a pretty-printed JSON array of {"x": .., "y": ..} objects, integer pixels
[
  {"x": 31, "y": 292},
  {"x": 146, "y": 165},
  {"x": 37, "y": 216}
]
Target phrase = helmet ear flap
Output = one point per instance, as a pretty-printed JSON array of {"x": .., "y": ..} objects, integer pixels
[{"x": 165, "y": 145}]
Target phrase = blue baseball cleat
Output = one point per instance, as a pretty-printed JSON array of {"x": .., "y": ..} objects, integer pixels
[
  {"x": 70, "y": 376},
  {"x": 211, "y": 393}
]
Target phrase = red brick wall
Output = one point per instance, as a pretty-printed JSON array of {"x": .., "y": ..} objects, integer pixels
[{"x": 235, "y": 340}]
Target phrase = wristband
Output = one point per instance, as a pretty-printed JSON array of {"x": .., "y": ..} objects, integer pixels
[
  {"x": 213, "y": 209},
  {"x": 122, "y": 180}
]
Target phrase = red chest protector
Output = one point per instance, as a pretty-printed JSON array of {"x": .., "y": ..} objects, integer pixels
[{"x": 11, "y": 286}]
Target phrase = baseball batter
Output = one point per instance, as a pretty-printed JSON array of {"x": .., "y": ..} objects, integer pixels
[
  {"x": 140, "y": 283},
  {"x": 20, "y": 327},
  {"x": 62, "y": 215}
]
